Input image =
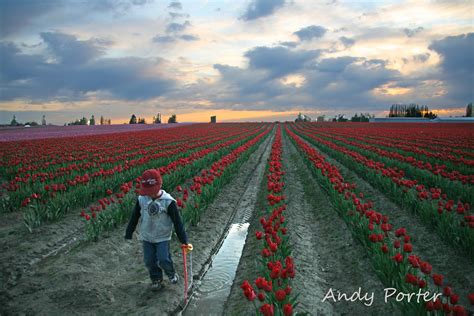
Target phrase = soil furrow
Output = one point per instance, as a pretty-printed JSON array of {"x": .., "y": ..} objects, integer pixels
[
  {"x": 326, "y": 255},
  {"x": 109, "y": 277}
]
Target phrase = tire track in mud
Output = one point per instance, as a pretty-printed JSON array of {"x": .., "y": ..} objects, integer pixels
[
  {"x": 109, "y": 277},
  {"x": 457, "y": 269},
  {"x": 326, "y": 255},
  {"x": 27, "y": 249}
]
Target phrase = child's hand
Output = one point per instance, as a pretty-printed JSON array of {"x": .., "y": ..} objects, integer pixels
[{"x": 188, "y": 248}]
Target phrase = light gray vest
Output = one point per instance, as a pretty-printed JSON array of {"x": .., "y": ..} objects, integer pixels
[{"x": 155, "y": 224}]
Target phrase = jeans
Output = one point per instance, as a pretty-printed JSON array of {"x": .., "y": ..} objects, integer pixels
[{"x": 157, "y": 258}]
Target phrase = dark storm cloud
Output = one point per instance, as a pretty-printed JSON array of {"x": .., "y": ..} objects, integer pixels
[
  {"x": 176, "y": 5},
  {"x": 16, "y": 15},
  {"x": 346, "y": 41},
  {"x": 31, "y": 77},
  {"x": 457, "y": 65},
  {"x": 310, "y": 32},
  {"x": 279, "y": 61},
  {"x": 18, "y": 66},
  {"x": 412, "y": 32},
  {"x": 339, "y": 83},
  {"x": 260, "y": 8},
  {"x": 69, "y": 50}
]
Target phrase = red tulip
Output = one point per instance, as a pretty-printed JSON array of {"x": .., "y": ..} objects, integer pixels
[
  {"x": 454, "y": 299},
  {"x": 280, "y": 295},
  {"x": 438, "y": 279},
  {"x": 288, "y": 310},
  {"x": 398, "y": 257},
  {"x": 447, "y": 291},
  {"x": 471, "y": 298},
  {"x": 407, "y": 248},
  {"x": 267, "y": 309}
]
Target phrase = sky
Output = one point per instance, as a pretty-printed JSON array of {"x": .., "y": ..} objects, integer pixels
[{"x": 249, "y": 60}]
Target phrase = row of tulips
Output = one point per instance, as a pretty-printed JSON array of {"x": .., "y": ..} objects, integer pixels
[
  {"x": 40, "y": 211},
  {"x": 453, "y": 220},
  {"x": 438, "y": 186},
  {"x": 390, "y": 248},
  {"x": 220, "y": 162},
  {"x": 416, "y": 143},
  {"x": 203, "y": 188},
  {"x": 444, "y": 141},
  {"x": 272, "y": 293},
  {"x": 96, "y": 172},
  {"x": 87, "y": 161},
  {"x": 438, "y": 168}
]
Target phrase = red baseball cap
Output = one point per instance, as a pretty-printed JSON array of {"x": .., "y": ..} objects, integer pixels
[{"x": 151, "y": 182}]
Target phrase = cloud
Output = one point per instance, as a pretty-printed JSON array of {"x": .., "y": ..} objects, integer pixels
[
  {"x": 457, "y": 65},
  {"x": 69, "y": 50},
  {"x": 189, "y": 37},
  {"x": 261, "y": 8},
  {"x": 176, "y": 5},
  {"x": 412, "y": 32},
  {"x": 347, "y": 42},
  {"x": 75, "y": 76},
  {"x": 310, "y": 32},
  {"x": 17, "y": 15},
  {"x": 421, "y": 58},
  {"x": 177, "y": 27},
  {"x": 176, "y": 15},
  {"x": 279, "y": 61},
  {"x": 163, "y": 39},
  {"x": 289, "y": 44}
]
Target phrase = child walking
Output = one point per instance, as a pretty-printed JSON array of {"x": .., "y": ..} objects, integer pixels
[{"x": 158, "y": 213}]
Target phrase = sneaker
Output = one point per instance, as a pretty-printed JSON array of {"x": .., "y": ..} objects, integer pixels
[
  {"x": 174, "y": 279},
  {"x": 156, "y": 285}
]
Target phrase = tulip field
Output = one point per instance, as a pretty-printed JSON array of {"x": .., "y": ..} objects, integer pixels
[{"x": 401, "y": 192}]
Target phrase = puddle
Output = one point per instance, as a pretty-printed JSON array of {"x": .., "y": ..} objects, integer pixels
[{"x": 214, "y": 288}]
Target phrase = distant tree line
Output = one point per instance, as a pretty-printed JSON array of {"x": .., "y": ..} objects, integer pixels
[
  {"x": 156, "y": 119},
  {"x": 362, "y": 117},
  {"x": 91, "y": 121},
  {"x": 411, "y": 110}
]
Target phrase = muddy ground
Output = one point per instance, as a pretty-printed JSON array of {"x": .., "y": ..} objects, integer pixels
[{"x": 108, "y": 277}]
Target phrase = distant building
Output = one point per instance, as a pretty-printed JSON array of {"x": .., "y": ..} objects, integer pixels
[
  {"x": 213, "y": 119},
  {"x": 302, "y": 118},
  {"x": 43, "y": 121},
  {"x": 320, "y": 119}
]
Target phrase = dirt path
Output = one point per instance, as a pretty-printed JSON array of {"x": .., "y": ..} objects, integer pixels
[
  {"x": 109, "y": 277},
  {"x": 326, "y": 256},
  {"x": 457, "y": 269}
]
